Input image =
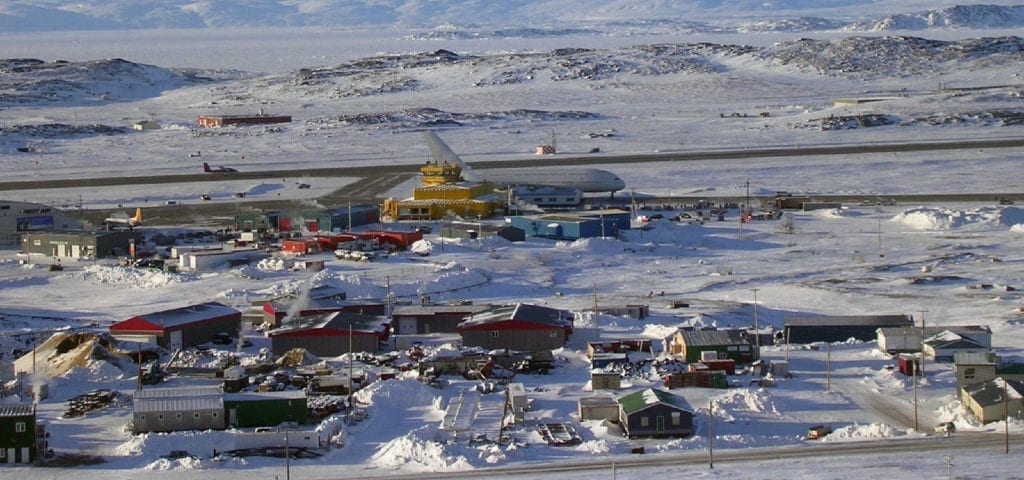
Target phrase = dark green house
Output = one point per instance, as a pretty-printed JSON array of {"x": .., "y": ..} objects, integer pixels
[
  {"x": 721, "y": 344},
  {"x": 654, "y": 413},
  {"x": 268, "y": 409},
  {"x": 18, "y": 433}
]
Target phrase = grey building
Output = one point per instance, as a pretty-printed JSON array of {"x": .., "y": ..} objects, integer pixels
[
  {"x": 427, "y": 319},
  {"x": 78, "y": 243},
  {"x": 178, "y": 409},
  {"x": 17, "y": 218},
  {"x": 908, "y": 339},
  {"x": 331, "y": 334},
  {"x": 839, "y": 328}
]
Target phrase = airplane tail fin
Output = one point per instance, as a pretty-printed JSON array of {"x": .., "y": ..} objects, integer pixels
[
  {"x": 138, "y": 216},
  {"x": 206, "y": 167},
  {"x": 442, "y": 153}
]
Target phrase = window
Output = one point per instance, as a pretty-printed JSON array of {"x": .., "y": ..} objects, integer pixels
[
  {"x": 3, "y": 453},
  {"x": 142, "y": 418},
  {"x": 494, "y": 334},
  {"x": 19, "y": 427},
  {"x": 214, "y": 414},
  {"x": 645, "y": 421},
  {"x": 553, "y": 334},
  {"x": 677, "y": 418},
  {"x": 177, "y": 416},
  {"x": 969, "y": 373},
  {"x": 195, "y": 415},
  {"x": 160, "y": 417}
]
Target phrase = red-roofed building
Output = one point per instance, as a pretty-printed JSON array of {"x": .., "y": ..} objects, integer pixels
[
  {"x": 180, "y": 327},
  {"x": 330, "y": 335},
  {"x": 520, "y": 327}
]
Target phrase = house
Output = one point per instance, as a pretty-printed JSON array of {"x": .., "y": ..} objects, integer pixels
[
  {"x": 625, "y": 345},
  {"x": 722, "y": 344},
  {"x": 177, "y": 409},
  {"x": 332, "y": 334},
  {"x": 840, "y": 328},
  {"x": 973, "y": 367},
  {"x": 991, "y": 401},
  {"x": 18, "y": 436},
  {"x": 942, "y": 346},
  {"x": 427, "y": 319},
  {"x": 267, "y": 409},
  {"x": 653, "y": 412},
  {"x": 517, "y": 327},
  {"x": 908, "y": 339},
  {"x": 180, "y": 327}
]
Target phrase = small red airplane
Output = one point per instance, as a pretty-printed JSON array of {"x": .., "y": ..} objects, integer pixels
[{"x": 208, "y": 169}]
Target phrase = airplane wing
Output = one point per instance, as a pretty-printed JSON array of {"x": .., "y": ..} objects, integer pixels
[{"x": 442, "y": 153}]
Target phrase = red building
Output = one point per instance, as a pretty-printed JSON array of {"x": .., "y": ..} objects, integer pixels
[
  {"x": 520, "y": 327},
  {"x": 180, "y": 327},
  {"x": 260, "y": 119},
  {"x": 331, "y": 335}
]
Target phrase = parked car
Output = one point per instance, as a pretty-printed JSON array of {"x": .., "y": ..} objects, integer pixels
[
  {"x": 223, "y": 338},
  {"x": 818, "y": 431}
]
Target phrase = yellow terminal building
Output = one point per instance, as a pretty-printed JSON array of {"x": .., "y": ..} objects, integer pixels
[{"x": 445, "y": 194}]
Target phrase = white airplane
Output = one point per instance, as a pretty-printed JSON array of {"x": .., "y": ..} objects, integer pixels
[
  {"x": 585, "y": 179},
  {"x": 124, "y": 219}
]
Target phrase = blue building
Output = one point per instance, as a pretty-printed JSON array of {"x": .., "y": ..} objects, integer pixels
[{"x": 573, "y": 225}]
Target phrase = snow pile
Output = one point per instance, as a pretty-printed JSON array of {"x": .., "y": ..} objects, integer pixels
[
  {"x": 187, "y": 463},
  {"x": 131, "y": 277},
  {"x": 413, "y": 453},
  {"x": 94, "y": 371},
  {"x": 934, "y": 218},
  {"x": 758, "y": 401},
  {"x": 273, "y": 264},
  {"x": 422, "y": 248},
  {"x": 593, "y": 245},
  {"x": 450, "y": 277},
  {"x": 858, "y": 432}
]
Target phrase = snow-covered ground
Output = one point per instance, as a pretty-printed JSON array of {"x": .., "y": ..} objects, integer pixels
[{"x": 853, "y": 260}]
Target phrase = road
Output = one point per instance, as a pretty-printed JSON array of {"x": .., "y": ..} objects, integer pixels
[
  {"x": 376, "y": 180},
  {"x": 957, "y": 442}
]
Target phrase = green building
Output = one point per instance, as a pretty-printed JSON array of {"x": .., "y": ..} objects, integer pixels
[
  {"x": 18, "y": 433},
  {"x": 268, "y": 409}
]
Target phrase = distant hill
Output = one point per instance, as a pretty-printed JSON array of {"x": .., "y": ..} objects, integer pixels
[{"x": 689, "y": 15}]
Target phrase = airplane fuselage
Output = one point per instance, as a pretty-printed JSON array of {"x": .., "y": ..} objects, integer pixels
[{"x": 587, "y": 180}]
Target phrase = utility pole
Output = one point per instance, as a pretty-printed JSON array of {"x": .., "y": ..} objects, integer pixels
[
  {"x": 879, "y": 211},
  {"x": 351, "y": 384},
  {"x": 711, "y": 435},
  {"x": 913, "y": 371},
  {"x": 757, "y": 328},
  {"x": 922, "y": 312},
  {"x": 1006, "y": 412},
  {"x": 828, "y": 367}
]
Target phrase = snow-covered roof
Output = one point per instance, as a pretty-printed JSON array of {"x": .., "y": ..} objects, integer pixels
[
  {"x": 641, "y": 399},
  {"x": 991, "y": 392},
  {"x": 965, "y": 330},
  {"x": 179, "y": 404},
  {"x": 16, "y": 409},
  {"x": 522, "y": 312},
  {"x": 171, "y": 392},
  {"x": 702, "y": 338},
  {"x": 255, "y": 397},
  {"x": 336, "y": 321},
  {"x": 400, "y": 310}
]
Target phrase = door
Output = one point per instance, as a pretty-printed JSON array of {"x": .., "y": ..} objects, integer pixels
[
  {"x": 24, "y": 455},
  {"x": 407, "y": 326},
  {"x": 659, "y": 423},
  {"x": 10, "y": 455},
  {"x": 175, "y": 340},
  {"x": 76, "y": 251},
  {"x": 233, "y": 417}
]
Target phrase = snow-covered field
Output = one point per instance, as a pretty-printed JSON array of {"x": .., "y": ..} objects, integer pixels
[{"x": 502, "y": 95}]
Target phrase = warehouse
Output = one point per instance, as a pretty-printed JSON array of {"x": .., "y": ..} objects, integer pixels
[
  {"x": 178, "y": 409},
  {"x": 427, "y": 319},
  {"x": 521, "y": 327},
  {"x": 840, "y": 328},
  {"x": 17, "y": 218},
  {"x": 258, "y": 119},
  {"x": 330, "y": 335},
  {"x": 180, "y": 327},
  {"x": 78, "y": 243}
]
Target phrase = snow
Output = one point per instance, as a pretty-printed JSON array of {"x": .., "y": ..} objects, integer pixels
[{"x": 853, "y": 260}]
